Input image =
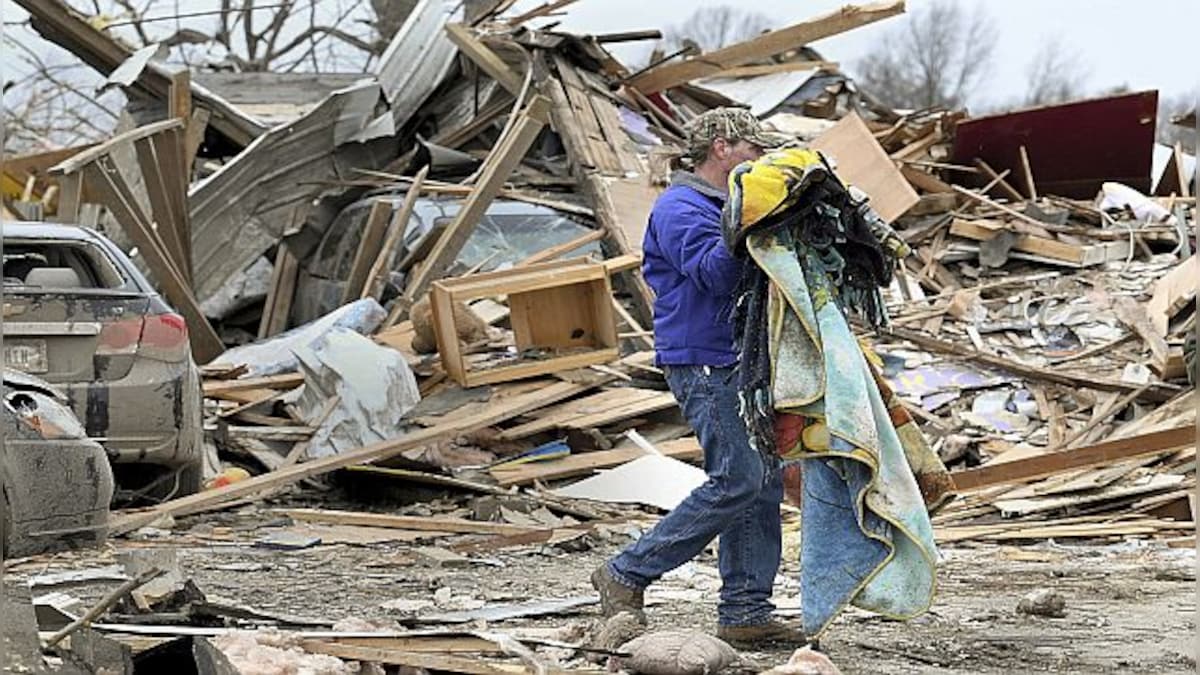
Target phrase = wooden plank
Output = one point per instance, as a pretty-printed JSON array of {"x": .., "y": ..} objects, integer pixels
[
  {"x": 166, "y": 220},
  {"x": 925, "y": 181},
  {"x": 768, "y": 44},
  {"x": 278, "y": 305},
  {"x": 376, "y": 277},
  {"x": 558, "y": 250},
  {"x": 493, "y": 414},
  {"x": 179, "y": 98},
  {"x": 771, "y": 68},
  {"x": 1030, "y": 187},
  {"x": 1040, "y": 466},
  {"x": 1134, "y": 315},
  {"x": 421, "y": 523},
  {"x": 599, "y": 152},
  {"x": 1074, "y": 255},
  {"x": 1155, "y": 392},
  {"x": 478, "y": 378},
  {"x": 70, "y": 198},
  {"x": 1172, "y": 293},
  {"x": 496, "y": 169},
  {"x": 169, "y": 148},
  {"x": 194, "y": 138},
  {"x": 999, "y": 179},
  {"x": 487, "y": 60},
  {"x": 369, "y": 248},
  {"x": 563, "y": 414},
  {"x": 579, "y": 464},
  {"x": 862, "y": 162},
  {"x": 420, "y": 660},
  {"x": 285, "y": 381},
  {"x": 540, "y": 11},
  {"x": 107, "y": 181}
]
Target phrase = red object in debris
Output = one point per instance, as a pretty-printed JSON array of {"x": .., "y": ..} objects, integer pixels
[{"x": 1073, "y": 147}]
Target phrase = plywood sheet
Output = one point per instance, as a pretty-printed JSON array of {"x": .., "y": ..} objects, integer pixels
[{"x": 862, "y": 162}]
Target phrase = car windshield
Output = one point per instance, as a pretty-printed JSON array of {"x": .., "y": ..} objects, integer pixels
[
  {"x": 58, "y": 265},
  {"x": 509, "y": 232}
]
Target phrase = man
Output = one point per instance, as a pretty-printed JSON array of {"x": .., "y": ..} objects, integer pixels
[{"x": 694, "y": 277}]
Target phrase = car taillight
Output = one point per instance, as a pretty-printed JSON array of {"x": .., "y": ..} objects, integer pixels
[
  {"x": 119, "y": 338},
  {"x": 164, "y": 337}
]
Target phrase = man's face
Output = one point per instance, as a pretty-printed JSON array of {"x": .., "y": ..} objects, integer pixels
[{"x": 729, "y": 154}]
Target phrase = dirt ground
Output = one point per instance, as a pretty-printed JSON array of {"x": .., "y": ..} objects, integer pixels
[{"x": 1130, "y": 607}]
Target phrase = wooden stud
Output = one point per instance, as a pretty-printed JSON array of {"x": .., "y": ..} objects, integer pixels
[
  {"x": 179, "y": 101},
  {"x": 1008, "y": 189},
  {"x": 373, "y": 288},
  {"x": 278, "y": 305},
  {"x": 369, "y": 248},
  {"x": 1029, "y": 184},
  {"x": 484, "y": 57}
]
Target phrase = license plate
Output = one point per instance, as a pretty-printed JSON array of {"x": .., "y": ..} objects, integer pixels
[{"x": 27, "y": 356}]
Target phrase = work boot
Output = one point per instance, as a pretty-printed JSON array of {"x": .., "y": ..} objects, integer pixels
[
  {"x": 771, "y": 633},
  {"x": 616, "y": 597}
]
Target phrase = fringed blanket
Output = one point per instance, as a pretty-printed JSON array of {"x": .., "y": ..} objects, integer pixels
[{"x": 812, "y": 396}]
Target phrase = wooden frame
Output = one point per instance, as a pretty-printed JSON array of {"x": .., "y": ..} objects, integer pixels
[{"x": 553, "y": 305}]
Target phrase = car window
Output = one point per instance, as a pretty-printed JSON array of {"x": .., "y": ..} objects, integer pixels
[{"x": 59, "y": 265}]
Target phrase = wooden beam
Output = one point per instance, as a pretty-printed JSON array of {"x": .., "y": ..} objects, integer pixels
[
  {"x": 771, "y": 68},
  {"x": 285, "y": 381},
  {"x": 179, "y": 102},
  {"x": 387, "y": 520},
  {"x": 278, "y": 305},
  {"x": 369, "y": 248},
  {"x": 483, "y": 56},
  {"x": 494, "y": 414},
  {"x": 684, "y": 449},
  {"x": 558, "y": 250},
  {"x": 1040, "y": 466},
  {"x": 1029, "y": 186},
  {"x": 997, "y": 178},
  {"x": 103, "y": 178},
  {"x": 768, "y": 44},
  {"x": 539, "y": 11},
  {"x": 194, "y": 137},
  {"x": 496, "y": 169},
  {"x": 373, "y": 288},
  {"x": 925, "y": 181},
  {"x": 1159, "y": 392}
]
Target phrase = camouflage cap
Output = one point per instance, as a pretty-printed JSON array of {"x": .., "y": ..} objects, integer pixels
[{"x": 732, "y": 124}]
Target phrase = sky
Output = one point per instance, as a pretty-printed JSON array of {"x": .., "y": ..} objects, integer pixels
[{"x": 1145, "y": 44}]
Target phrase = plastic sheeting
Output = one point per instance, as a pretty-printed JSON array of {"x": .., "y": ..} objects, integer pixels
[{"x": 277, "y": 355}]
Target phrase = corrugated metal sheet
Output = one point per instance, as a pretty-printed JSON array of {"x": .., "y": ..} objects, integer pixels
[
  {"x": 242, "y": 210},
  {"x": 418, "y": 58},
  {"x": 763, "y": 93}
]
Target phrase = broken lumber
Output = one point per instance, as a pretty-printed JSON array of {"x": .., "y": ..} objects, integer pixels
[
  {"x": 768, "y": 44},
  {"x": 499, "y": 165},
  {"x": 1155, "y": 392},
  {"x": 370, "y": 245},
  {"x": 518, "y": 405},
  {"x": 395, "y": 234},
  {"x": 1075, "y": 255},
  {"x": 487, "y": 60},
  {"x": 285, "y": 381},
  {"x": 684, "y": 449},
  {"x": 422, "y": 523},
  {"x": 1040, "y": 466}
]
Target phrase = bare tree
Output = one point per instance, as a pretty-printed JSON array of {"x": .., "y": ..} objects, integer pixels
[
  {"x": 934, "y": 57},
  {"x": 715, "y": 27},
  {"x": 51, "y": 96},
  {"x": 1171, "y": 133},
  {"x": 1054, "y": 75}
]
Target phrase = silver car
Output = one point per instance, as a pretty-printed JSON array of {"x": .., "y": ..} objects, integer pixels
[{"x": 79, "y": 314}]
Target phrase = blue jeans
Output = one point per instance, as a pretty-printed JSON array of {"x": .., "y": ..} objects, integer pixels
[{"x": 739, "y": 501}]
